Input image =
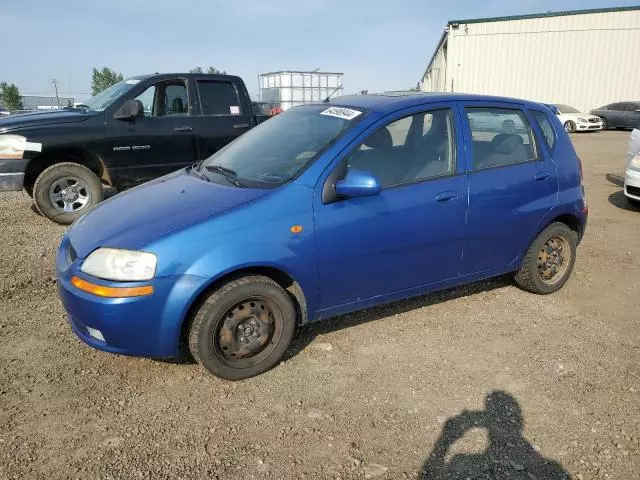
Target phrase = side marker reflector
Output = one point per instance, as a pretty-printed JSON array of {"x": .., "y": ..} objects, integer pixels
[{"x": 110, "y": 292}]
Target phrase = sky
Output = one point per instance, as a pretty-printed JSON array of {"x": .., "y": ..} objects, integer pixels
[{"x": 378, "y": 45}]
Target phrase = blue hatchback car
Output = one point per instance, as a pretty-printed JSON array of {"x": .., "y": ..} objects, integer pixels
[{"x": 323, "y": 210}]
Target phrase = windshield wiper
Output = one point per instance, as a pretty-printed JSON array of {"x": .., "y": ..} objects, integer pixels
[
  {"x": 229, "y": 174},
  {"x": 195, "y": 168}
]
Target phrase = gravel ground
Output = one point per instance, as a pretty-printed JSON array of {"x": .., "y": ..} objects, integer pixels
[{"x": 391, "y": 392}]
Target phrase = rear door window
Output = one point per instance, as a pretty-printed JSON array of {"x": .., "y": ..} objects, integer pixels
[
  {"x": 218, "y": 98},
  {"x": 501, "y": 136},
  {"x": 548, "y": 132}
]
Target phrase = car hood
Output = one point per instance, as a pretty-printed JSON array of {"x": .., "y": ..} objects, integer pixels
[
  {"x": 576, "y": 116},
  {"x": 140, "y": 216},
  {"x": 47, "y": 117}
]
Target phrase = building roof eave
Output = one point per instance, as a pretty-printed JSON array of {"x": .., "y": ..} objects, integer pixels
[{"x": 443, "y": 38}]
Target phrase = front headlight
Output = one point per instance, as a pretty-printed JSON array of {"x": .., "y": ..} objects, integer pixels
[
  {"x": 634, "y": 164},
  {"x": 121, "y": 265},
  {"x": 12, "y": 146},
  {"x": 582, "y": 120}
]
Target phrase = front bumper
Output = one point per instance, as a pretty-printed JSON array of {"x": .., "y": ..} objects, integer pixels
[
  {"x": 632, "y": 184},
  {"x": 147, "y": 326},
  {"x": 582, "y": 127},
  {"x": 12, "y": 174}
]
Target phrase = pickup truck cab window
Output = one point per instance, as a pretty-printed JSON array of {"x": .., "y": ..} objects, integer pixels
[
  {"x": 165, "y": 99},
  {"x": 218, "y": 98}
]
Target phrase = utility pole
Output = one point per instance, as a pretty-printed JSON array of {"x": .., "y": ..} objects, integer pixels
[{"x": 55, "y": 84}]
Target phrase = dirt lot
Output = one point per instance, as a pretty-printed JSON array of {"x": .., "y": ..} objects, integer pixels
[{"x": 362, "y": 396}]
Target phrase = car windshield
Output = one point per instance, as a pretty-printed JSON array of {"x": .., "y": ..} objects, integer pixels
[
  {"x": 105, "y": 98},
  {"x": 567, "y": 109},
  {"x": 276, "y": 150}
]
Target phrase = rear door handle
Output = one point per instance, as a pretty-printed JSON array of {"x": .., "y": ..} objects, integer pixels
[
  {"x": 183, "y": 129},
  {"x": 446, "y": 196},
  {"x": 542, "y": 175},
  {"x": 241, "y": 125}
]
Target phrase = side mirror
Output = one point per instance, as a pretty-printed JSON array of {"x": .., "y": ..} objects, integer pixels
[
  {"x": 357, "y": 183},
  {"x": 129, "y": 110}
]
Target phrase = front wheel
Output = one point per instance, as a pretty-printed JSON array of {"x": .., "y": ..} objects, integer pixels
[
  {"x": 64, "y": 191},
  {"x": 549, "y": 261},
  {"x": 243, "y": 328},
  {"x": 604, "y": 123},
  {"x": 570, "y": 127}
]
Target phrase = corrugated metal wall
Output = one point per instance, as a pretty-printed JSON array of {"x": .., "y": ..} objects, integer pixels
[{"x": 584, "y": 60}]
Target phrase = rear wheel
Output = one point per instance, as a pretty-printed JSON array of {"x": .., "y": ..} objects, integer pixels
[
  {"x": 549, "y": 261},
  {"x": 570, "y": 127},
  {"x": 243, "y": 328},
  {"x": 64, "y": 191}
]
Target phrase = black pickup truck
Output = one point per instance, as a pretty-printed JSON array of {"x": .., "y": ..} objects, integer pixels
[{"x": 134, "y": 131}]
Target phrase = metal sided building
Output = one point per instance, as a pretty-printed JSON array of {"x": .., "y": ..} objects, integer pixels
[
  {"x": 290, "y": 88},
  {"x": 583, "y": 58}
]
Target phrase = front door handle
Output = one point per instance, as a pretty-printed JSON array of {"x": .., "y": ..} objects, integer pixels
[
  {"x": 543, "y": 175},
  {"x": 241, "y": 125},
  {"x": 446, "y": 196},
  {"x": 185, "y": 128}
]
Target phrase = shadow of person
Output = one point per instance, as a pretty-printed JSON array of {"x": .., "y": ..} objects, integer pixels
[{"x": 509, "y": 454}]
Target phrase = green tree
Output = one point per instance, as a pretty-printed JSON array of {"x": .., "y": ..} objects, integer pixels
[
  {"x": 211, "y": 70},
  {"x": 10, "y": 96},
  {"x": 102, "y": 79}
]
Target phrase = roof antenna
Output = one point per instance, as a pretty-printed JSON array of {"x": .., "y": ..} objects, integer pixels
[{"x": 326, "y": 100}]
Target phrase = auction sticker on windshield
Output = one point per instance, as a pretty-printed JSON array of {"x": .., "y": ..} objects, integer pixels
[{"x": 341, "y": 112}]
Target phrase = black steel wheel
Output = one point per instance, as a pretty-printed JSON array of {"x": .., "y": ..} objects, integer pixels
[
  {"x": 549, "y": 261},
  {"x": 243, "y": 328}
]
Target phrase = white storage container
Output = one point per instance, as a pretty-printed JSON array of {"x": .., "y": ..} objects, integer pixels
[{"x": 290, "y": 88}]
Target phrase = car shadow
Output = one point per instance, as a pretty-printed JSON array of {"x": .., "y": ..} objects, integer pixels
[
  {"x": 307, "y": 333},
  {"x": 618, "y": 199},
  {"x": 507, "y": 455}
]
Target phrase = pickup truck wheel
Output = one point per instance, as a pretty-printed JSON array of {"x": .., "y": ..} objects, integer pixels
[
  {"x": 243, "y": 328},
  {"x": 65, "y": 191},
  {"x": 549, "y": 261}
]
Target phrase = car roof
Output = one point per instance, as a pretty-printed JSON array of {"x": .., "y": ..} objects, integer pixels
[{"x": 392, "y": 101}]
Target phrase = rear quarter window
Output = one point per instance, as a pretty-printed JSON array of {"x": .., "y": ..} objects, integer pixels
[
  {"x": 218, "y": 98},
  {"x": 546, "y": 127}
]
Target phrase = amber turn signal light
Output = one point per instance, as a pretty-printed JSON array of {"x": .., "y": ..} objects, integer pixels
[{"x": 110, "y": 292}]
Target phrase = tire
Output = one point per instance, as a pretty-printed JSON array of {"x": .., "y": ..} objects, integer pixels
[
  {"x": 531, "y": 275},
  {"x": 253, "y": 308},
  {"x": 604, "y": 123},
  {"x": 570, "y": 127},
  {"x": 49, "y": 185}
]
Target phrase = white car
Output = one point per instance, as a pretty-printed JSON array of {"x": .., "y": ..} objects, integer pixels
[
  {"x": 576, "y": 121},
  {"x": 632, "y": 175}
]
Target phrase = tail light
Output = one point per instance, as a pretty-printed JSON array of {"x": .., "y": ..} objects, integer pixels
[
  {"x": 580, "y": 165},
  {"x": 585, "y": 207}
]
